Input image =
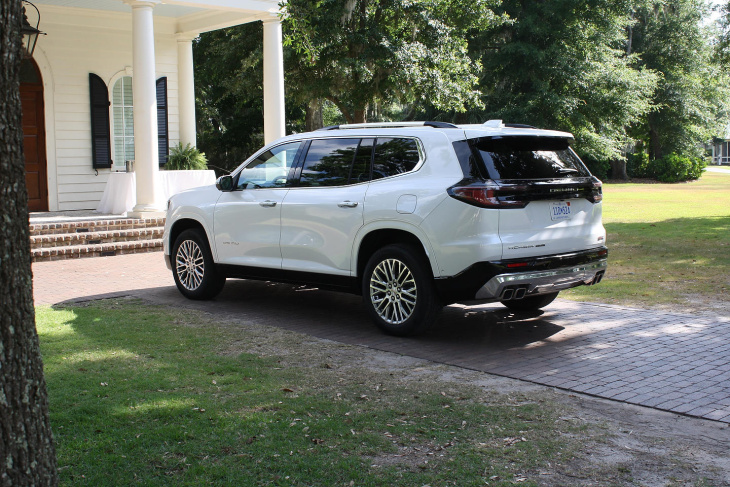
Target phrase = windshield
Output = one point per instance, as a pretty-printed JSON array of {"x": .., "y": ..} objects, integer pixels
[{"x": 528, "y": 158}]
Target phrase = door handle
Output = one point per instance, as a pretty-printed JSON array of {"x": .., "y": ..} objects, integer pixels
[
  {"x": 268, "y": 204},
  {"x": 347, "y": 204}
]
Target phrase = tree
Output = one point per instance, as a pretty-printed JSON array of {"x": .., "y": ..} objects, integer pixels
[
  {"x": 670, "y": 37},
  {"x": 563, "y": 65},
  {"x": 359, "y": 53},
  {"x": 26, "y": 446},
  {"x": 229, "y": 94}
]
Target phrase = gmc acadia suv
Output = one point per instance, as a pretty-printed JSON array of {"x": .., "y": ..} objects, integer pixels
[{"x": 412, "y": 216}]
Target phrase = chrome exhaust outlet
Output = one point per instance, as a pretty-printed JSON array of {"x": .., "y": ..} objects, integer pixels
[
  {"x": 598, "y": 278},
  {"x": 507, "y": 294},
  {"x": 520, "y": 293}
]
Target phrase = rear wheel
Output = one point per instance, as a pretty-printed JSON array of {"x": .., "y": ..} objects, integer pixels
[
  {"x": 193, "y": 268},
  {"x": 398, "y": 291},
  {"x": 531, "y": 303}
]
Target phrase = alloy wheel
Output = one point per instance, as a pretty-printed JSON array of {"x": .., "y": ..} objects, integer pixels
[
  {"x": 393, "y": 291},
  {"x": 189, "y": 265}
]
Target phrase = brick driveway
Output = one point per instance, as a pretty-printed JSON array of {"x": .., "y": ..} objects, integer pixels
[{"x": 669, "y": 361}]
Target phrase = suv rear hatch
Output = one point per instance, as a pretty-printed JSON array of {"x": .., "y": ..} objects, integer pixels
[{"x": 547, "y": 199}]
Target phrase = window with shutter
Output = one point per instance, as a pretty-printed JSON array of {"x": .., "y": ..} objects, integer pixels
[
  {"x": 100, "y": 140},
  {"x": 163, "y": 139}
]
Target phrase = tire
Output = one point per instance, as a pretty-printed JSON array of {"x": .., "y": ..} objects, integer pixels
[
  {"x": 193, "y": 268},
  {"x": 398, "y": 291},
  {"x": 531, "y": 303}
]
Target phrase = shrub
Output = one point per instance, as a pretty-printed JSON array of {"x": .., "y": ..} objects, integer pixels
[
  {"x": 188, "y": 157},
  {"x": 698, "y": 166},
  {"x": 637, "y": 165},
  {"x": 675, "y": 168}
]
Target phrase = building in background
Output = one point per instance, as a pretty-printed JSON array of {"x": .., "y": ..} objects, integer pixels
[{"x": 112, "y": 82}]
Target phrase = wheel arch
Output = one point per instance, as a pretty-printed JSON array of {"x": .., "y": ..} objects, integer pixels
[
  {"x": 183, "y": 224},
  {"x": 375, "y": 238}
]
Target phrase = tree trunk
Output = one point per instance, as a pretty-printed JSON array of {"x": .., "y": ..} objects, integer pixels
[
  {"x": 313, "y": 117},
  {"x": 618, "y": 170},
  {"x": 26, "y": 446},
  {"x": 655, "y": 145},
  {"x": 361, "y": 115}
]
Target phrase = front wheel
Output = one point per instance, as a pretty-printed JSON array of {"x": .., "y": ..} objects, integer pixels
[
  {"x": 398, "y": 291},
  {"x": 531, "y": 303},
  {"x": 193, "y": 268}
]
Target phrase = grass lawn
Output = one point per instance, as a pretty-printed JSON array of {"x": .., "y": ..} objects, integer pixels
[
  {"x": 151, "y": 396},
  {"x": 669, "y": 244}
]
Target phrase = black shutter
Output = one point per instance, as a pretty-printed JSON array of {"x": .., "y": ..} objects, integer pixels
[
  {"x": 101, "y": 148},
  {"x": 163, "y": 139}
]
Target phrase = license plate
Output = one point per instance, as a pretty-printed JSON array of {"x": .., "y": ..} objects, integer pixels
[{"x": 560, "y": 211}]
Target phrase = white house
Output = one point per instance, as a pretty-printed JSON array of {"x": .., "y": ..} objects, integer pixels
[
  {"x": 721, "y": 148},
  {"x": 112, "y": 81}
]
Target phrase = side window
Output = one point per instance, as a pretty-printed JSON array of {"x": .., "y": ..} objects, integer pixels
[
  {"x": 394, "y": 156},
  {"x": 270, "y": 169},
  {"x": 329, "y": 162},
  {"x": 361, "y": 167}
]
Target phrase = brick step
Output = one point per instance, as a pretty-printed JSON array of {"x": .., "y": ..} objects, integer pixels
[
  {"x": 104, "y": 225},
  {"x": 97, "y": 250},
  {"x": 95, "y": 238}
]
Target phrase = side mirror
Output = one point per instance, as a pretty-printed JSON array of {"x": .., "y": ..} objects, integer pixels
[{"x": 224, "y": 183}]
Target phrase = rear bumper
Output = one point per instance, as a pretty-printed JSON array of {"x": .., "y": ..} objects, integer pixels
[
  {"x": 517, "y": 286},
  {"x": 516, "y": 279}
]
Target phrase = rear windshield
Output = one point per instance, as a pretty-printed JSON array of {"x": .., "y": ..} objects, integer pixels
[{"x": 527, "y": 158}]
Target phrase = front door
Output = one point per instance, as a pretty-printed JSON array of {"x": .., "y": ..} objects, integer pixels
[
  {"x": 34, "y": 137},
  {"x": 247, "y": 223}
]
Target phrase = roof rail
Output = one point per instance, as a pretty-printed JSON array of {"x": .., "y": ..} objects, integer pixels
[{"x": 441, "y": 125}]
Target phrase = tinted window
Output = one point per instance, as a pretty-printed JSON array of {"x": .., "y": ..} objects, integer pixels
[
  {"x": 361, "y": 167},
  {"x": 328, "y": 162},
  {"x": 270, "y": 169},
  {"x": 528, "y": 158},
  {"x": 394, "y": 156}
]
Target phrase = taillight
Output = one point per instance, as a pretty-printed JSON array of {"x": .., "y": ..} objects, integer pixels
[
  {"x": 596, "y": 191},
  {"x": 487, "y": 194}
]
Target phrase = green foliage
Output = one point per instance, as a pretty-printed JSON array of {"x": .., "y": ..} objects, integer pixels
[
  {"x": 360, "y": 53},
  {"x": 608, "y": 71},
  {"x": 598, "y": 168},
  {"x": 562, "y": 65},
  {"x": 637, "y": 165},
  {"x": 674, "y": 168},
  {"x": 229, "y": 94},
  {"x": 692, "y": 96},
  {"x": 185, "y": 158}
]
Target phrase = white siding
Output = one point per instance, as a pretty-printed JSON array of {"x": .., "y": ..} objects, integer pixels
[{"x": 80, "y": 42}]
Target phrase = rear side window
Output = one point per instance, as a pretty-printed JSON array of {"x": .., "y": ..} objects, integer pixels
[
  {"x": 328, "y": 162},
  {"x": 394, "y": 156},
  {"x": 528, "y": 158}
]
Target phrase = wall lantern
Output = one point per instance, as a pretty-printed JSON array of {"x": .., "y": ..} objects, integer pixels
[{"x": 30, "y": 33}]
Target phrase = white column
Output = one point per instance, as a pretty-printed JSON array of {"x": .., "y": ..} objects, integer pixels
[
  {"x": 273, "y": 81},
  {"x": 186, "y": 88},
  {"x": 146, "y": 163}
]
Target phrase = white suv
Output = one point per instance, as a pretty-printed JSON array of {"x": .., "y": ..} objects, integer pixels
[{"x": 413, "y": 216}]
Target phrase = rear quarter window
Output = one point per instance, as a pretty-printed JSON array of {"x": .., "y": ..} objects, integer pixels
[{"x": 394, "y": 156}]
